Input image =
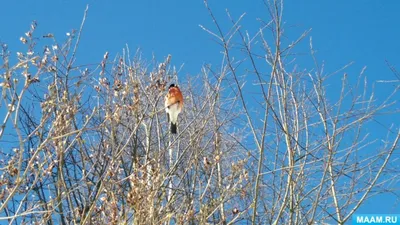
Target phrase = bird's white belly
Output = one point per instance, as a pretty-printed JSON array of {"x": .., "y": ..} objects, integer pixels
[{"x": 173, "y": 112}]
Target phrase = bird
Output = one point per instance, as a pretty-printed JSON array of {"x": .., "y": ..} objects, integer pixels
[{"x": 173, "y": 106}]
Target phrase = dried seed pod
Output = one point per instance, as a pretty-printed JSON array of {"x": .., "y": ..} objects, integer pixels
[{"x": 23, "y": 40}]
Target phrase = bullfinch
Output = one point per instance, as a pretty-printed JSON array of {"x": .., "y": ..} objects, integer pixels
[{"x": 173, "y": 105}]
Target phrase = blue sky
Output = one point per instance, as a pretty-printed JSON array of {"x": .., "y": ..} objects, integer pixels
[
  {"x": 366, "y": 32},
  {"x": 342, "y": 31}
]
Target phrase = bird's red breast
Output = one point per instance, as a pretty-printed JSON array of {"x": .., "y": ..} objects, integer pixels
[{"x": 174, "y": 96}]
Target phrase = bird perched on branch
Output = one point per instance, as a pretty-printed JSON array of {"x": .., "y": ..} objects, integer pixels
[{"x": 173, "y": 105}]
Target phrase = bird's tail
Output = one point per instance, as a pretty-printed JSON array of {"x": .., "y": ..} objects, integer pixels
[{"x": 173, "y": 128}]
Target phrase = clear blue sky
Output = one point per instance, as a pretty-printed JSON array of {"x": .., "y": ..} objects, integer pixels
[
  {"x": 343, "y": 31},
  {"x": 366, "y": 32}
]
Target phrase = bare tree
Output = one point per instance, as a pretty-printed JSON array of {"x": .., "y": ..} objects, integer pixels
[
  {"x": 260, "y": 140},
  {"x": 312, "y": 162}
]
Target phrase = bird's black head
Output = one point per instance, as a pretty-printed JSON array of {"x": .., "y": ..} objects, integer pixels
[{"x": 172, "y": 85}]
